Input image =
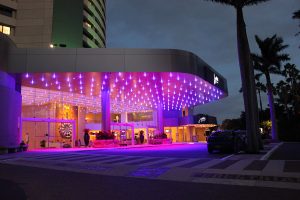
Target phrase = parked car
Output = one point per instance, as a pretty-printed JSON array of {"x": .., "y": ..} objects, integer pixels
[{"x": 232, "y": 141}]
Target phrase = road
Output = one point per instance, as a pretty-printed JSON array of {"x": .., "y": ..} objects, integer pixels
[
  {"x": 160, "y": 172},
  {"x": 44, "y": 184}
]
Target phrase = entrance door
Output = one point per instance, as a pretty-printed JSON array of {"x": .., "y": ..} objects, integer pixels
[{"x": 48, "y": 133}]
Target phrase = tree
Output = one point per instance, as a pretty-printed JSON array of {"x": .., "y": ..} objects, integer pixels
[
  {"x": 284, "y": 96},
  {"x": 260, "y": 87},
  {"x": 297, "y": 16},
  {"x": 292, "y": 78},
  {"x": 247, "y": 72},
  {"x": 269, "y": 62}
]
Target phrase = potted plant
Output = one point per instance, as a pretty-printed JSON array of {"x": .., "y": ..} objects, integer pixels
[
  {"x": 3, "y": 150},
  {"x": 43, "y": 143}
]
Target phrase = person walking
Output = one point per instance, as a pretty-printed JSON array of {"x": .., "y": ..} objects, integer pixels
[
  {"x": 142, "y": 137},
  {"x": 86, "y": 137},
  {"x": 27, "y": 138}
]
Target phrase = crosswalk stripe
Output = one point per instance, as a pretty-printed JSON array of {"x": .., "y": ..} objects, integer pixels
[
  {"x": 122, "y": 160},
  {"x": 102, "y": 159},
  {"x": 256, "y": 165},
  {"x": 181, "y": 163},
  {"x": 240, "y": 165},
  {"x": 62, "y": 157},
  {"x": 163, "y": 163},
  {"x": 223, "y": 165},
  {"x": 274, "y": 166},
  {"x": 79, "y": 157},
  {"x": 146, "y": 160},
  {"x": 208, "y": 163},
  {"x": 194, "y": 163}
]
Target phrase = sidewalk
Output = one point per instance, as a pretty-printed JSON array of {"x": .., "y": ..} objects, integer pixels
[{"x": 236, "y": 169}]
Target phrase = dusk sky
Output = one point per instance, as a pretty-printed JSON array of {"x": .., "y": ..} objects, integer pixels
[{"x": 206, "y": 29}]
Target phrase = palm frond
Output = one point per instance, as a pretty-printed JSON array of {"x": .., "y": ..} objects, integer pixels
[
  {"x": 257, "y": 76},
  {"x": 270, "y": 58},
  {"x": 253, "y": 2},
  {"x": 296, "y": 15},
  {"x": 239, "y": 3},
  {"x": 226, "y": 2}
]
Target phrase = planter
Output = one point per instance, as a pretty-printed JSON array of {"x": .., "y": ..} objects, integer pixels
[
  {"x": 3, "y": 151},
  {"x": 160, "y": 141},
  {"x": 12, "y": 150},
  {"x": 105, "y": 143}
]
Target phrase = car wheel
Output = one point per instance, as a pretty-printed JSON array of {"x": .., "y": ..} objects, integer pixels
[
  {"x": 210, "y": 149},
  {"x": 237, "y": 146}
]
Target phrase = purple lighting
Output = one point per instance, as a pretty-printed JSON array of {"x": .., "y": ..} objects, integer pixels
[{"x": 128, "y": 91}]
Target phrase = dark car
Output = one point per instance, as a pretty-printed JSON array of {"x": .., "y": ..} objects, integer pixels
[{"x": 230, "y": 141}]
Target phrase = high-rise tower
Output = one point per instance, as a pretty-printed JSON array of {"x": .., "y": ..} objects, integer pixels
[{"x": 54, "y": 23}]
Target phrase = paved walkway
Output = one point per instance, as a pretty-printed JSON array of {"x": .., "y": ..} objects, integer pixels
[{"x": 235, "y": 169}]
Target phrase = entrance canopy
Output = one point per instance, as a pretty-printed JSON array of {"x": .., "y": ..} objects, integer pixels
[
  {"x": 136, "y": 79},
  {"x": 129, "y": 91}
]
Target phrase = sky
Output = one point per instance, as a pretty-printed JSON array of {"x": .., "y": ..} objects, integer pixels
[{"x": 206, "y": 29}]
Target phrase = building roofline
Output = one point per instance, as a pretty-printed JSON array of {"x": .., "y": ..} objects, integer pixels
[{"x": 38, "y": 60}]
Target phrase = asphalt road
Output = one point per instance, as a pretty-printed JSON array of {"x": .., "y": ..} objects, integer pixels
[
  {"x": 287, "y": 151},
  {"x": 19, "y": 182}
]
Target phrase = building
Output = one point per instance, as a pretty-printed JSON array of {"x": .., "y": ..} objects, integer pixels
[
  {"x": 54, "y": 94},
  {"x": 54, "y": 23}
]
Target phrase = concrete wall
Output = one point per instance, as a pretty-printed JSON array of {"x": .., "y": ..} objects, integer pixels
[
  {"x": 10, "y": 115},
  {"x": 34, "y": 23}
]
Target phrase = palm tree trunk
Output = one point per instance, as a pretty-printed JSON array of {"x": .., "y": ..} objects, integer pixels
[
  {"x": 272, "y": 108},
  {"x": 260, "y": 103},
  {"x": 260, "y": 110},
  {"x": 248, "y": 84}
]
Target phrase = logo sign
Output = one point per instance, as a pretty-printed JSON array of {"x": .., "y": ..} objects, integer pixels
[
  {"x": 201, "y": 120},
  {"x": 216, "y": 79}
]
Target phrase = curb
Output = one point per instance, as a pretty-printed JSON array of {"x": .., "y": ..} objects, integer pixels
[{"x": 267, "y": 155}]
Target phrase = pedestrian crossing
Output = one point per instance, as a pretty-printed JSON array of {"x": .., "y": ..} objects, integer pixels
[{"x": 154, "y": 162}]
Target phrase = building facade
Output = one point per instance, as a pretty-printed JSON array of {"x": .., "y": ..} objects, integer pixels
[
  {"x": 54, "y": 94},
  {"x": 54, "y": 23}
]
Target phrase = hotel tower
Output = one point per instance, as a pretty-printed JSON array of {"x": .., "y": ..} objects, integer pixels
[{"x": 54, "y": 23}]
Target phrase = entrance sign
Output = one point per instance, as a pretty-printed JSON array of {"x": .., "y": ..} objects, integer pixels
[{"x": 216, "y": 79}]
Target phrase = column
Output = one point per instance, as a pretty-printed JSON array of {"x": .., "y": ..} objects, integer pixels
[
  {"x": 124, "y": 117},
  {"x": 10, "y": 115},
  {"x": 105, "y": 104},
  {"x": 160, "y": 119}
]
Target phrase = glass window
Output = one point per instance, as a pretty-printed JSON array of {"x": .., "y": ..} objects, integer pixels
[
  {"x": 139, "y": 116},
  {"x": 6, "y": 30}
]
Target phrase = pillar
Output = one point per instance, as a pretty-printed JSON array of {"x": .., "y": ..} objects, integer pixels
[
  {"x": 10, "y": 115},
  {"x": 105, "y": 104},
  {"x": 124, "y": 117},
  {"x": 160, "y": 119}
]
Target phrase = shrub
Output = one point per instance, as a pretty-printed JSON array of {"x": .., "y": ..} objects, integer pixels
[{"x": 104, "y": 136}]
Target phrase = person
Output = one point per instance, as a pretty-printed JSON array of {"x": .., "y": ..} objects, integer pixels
[
  {"x": 142, "y": 137},
  {"x": 27, "y": 138},
  {"x": 86, "y": 138}
]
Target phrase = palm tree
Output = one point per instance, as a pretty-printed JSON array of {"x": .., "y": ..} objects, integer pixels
[
  {"x": 247, "y": 72},
  {"x": 292, "y": 77},
  {"x": 269, "y": 62},
  {"x": 260, "y": 87},
  {"x": 284, "y": 96},
  {"x": 297, "y": 16}
]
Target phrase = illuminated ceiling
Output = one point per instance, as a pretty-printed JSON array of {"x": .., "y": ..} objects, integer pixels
[{"x": 129, "y": 91}]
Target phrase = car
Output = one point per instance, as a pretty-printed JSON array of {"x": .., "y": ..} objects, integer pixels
[{"x": 228, "y": 140}]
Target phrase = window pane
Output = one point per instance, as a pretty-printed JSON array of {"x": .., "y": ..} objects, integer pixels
[{"x": 6, "y": 30}]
